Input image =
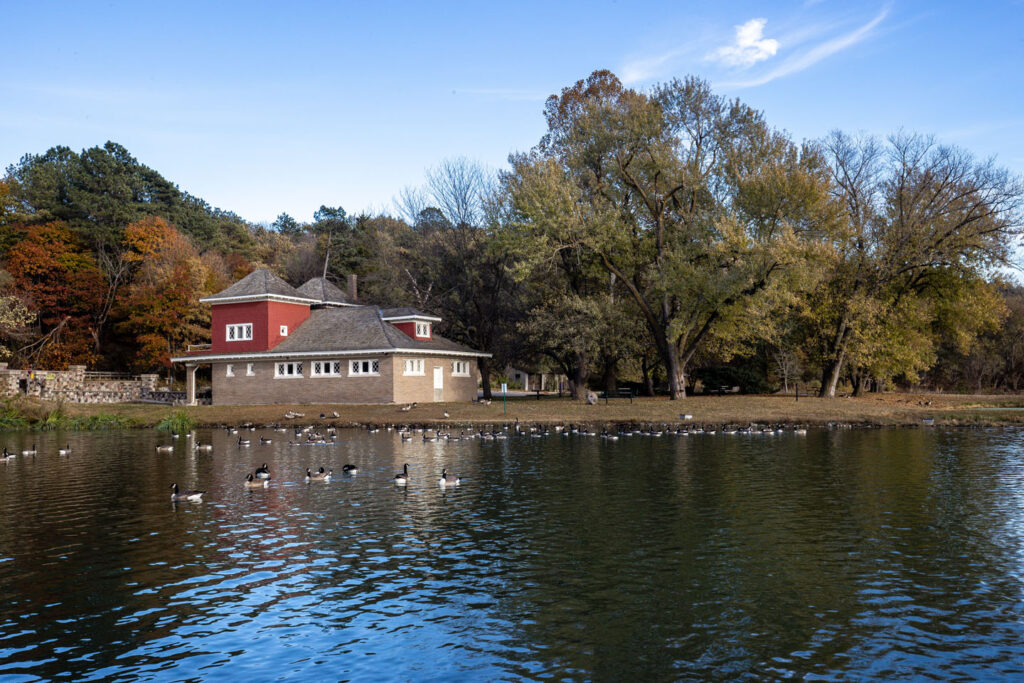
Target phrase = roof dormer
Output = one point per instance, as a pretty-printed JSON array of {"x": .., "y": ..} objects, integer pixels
[
  {"x": 417, "y": 325},
  {"x": 255, "y": 313}
]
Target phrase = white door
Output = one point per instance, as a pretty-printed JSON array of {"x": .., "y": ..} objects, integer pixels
[{"x": 438, "y": 384}]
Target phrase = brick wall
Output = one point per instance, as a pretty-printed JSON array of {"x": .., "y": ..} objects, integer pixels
[{"x": 391, "y": 386}]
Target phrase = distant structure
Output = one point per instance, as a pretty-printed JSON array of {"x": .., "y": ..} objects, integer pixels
[{"x": 274, "y": 343}]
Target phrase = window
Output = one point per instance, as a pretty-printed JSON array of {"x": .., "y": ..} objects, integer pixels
[
  {"x": 288, "y": 370},
  {"x": 284, "y": 330},
  {"x": 326, "y": 368},
  {"x": 460, "y": 368},
  {"x": 240, "y": 332},
  {"x": 359, "y": 368},
  {"x": 229, "y": 370},
  {"x": 422, "y": 329},
  {"x": 250, "y": 369},
  {"x": 413, "y": 366}
]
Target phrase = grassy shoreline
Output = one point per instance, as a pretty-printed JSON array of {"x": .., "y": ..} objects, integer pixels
[{"x": 872, "y": 410}]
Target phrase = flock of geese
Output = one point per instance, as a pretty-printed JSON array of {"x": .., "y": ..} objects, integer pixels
[{"x": 261, "y": 479}]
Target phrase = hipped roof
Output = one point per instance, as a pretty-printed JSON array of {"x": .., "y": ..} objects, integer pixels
[
  {"x": 321, "y": 289},
  {"x": 258, "y": 283}
]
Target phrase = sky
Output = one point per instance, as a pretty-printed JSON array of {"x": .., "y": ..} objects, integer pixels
[{"x": 269, "y": 107}]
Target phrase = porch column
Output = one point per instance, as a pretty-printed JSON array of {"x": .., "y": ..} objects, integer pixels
[{"x": 190, "y": 384}]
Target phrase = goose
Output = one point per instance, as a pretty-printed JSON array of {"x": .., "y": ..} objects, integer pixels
[
  {"x": 446, "y": 414},
  {"x": 349, "y": 469},
  {"x": 406, "y": 436},
  {"x": 320, "y": 475},
  {"x": 264, "y": 441},
  {"x": 263, "y": 472},
  {"x": 205, "y": 447},
  {"x": 446, "y": 480},
  {"x": 801, "y": 431},
  {"x": 64, "y": 451},
  {"x": 6, "y": 454},
  {"x": 30, "y": 451},
  {"x": 242, "y": 442},
  {"x": 175, "y": 436},
  {"x": 402, "y": 478},
  {"x": 190, "y": 495},
  {"x": 165, "y": 449},
  {"x": 254, "y": 483}
]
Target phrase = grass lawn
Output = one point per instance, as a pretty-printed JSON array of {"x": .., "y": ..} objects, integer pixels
[{"x": 878, "y": 409}]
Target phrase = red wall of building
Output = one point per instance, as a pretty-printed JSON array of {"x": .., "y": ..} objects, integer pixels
[
  {"x": 291, "y": 315},
  {"x": 266, "y": 318}
]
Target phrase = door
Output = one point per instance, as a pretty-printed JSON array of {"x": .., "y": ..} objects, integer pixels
[{"x": 438, "y": 384}]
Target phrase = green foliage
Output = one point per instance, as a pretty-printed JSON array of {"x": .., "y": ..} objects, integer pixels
[{"x": 177, "y": 422}]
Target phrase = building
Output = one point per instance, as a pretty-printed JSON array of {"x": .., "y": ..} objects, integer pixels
[{"x": 272, "y": 343}]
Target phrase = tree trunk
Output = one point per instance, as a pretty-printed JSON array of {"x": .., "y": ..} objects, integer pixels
[
  {"x": 611, "y": 372},
  {"x": 857, "y": 380},
  {"x": 577, "y": 374},
  {"x": 648, "y": 380},
  {"x": 830, "y": 376},
  {"x": 484, "y": 364}
]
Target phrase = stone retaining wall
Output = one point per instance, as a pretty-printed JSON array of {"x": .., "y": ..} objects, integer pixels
[{"x": 74, "y": 386}]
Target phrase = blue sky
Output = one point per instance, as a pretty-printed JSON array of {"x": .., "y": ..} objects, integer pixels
[{"x": 264, "y": 107}]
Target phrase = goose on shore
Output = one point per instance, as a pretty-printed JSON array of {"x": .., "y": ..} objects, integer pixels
[
  {"x": 252, "y": 482},
  {"x": 448, "y": 480},
  {"x": 402, "y": 478},
  {"x": 189, "y": 495}
]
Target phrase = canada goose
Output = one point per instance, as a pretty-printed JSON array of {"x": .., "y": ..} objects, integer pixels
[
  {"x": 446, "y": 480},
  {"x": 30, "y": 451},
  {"x": 334, "y": 413},
  {"x": 175, "y": 436},
  {"x": 402, "y": 478},
  {"x": 446, "y": 414},
  {"x": 193, "y": 496},
  {"x": 406, "y": 436},
  {"x": 406, "y": 408},
  {"x": 263, "y": 472},
  {"x": 254, "y": 483},
  {"x": 242, "y": 442},
  {"x": 349, "y": 469},
  {"x": 800, "y": 431},
  {"x": 264, "y": 441},
  {"x": 6, "y": 454},
  {"x": 165, "y": 449},
  {"x": 64, "y": 451},
  {"x": 320, "y": 475},
  {"x": 205, "y": 447}
]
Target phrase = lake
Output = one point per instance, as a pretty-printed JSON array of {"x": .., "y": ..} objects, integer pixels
[{"x": 845, "y": 554}]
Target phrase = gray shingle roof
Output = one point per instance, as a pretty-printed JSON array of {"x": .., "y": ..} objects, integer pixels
[
  {"x": 405, "y": 312},
  {"x": 354, "y": 328},
  {"x": 257, "y": 283},
  {"x": 320, "y": 289}
]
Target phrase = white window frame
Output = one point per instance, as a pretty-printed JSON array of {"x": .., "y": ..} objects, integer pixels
[
  {"x": 325, "y": 368},
  {"x": 288, "y": 370},
  {"x": 414, "y": 367},
  {"x": 250, "y": 369},
  {"x": 422, "y": 329},
  {"x": 229, "y": 370},
  {"x": 284, "y": 330},
  {"x": 364, "y": 367},
  {"x": 460, "y": 368},
  {"x": 238, "y": 332}
]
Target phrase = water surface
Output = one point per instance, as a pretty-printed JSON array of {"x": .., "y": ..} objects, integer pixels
[{"x": 842, "y": 555}]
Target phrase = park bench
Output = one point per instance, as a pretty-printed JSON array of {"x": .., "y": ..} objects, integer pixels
[{"x": 622, "y": 392}]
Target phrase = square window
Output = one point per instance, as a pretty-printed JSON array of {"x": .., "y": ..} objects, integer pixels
[{"x": 284, "y": 330}]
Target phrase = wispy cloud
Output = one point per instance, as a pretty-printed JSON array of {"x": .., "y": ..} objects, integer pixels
[
  {"x": 814, "y": 55},
  {"x": 648, "y": 67},
  {"x": 749, "y": 48}
]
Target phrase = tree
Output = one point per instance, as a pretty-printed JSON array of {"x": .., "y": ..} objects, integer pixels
[
  {"x": 286, "y": 225},
  {"x": 923, "y": 223},
  {"x": 702, "y": 213}
]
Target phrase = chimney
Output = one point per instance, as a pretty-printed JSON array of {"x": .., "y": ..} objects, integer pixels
[{"x": 352, "y": 293}]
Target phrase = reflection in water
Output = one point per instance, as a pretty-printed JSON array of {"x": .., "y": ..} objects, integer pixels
[{"x": 863, "y": 554}]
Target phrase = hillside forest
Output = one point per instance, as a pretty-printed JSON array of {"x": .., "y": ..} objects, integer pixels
[{"x": 669, "y": 238}]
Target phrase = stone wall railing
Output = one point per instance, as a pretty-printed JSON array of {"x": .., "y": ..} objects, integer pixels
[{"x": 73, "y": 385}]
